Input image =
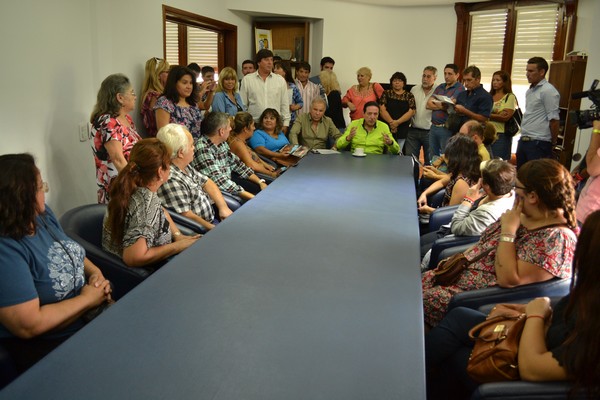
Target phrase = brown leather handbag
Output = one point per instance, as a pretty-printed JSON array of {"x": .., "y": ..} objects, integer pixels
[
  {"x": 494, "y": 356},
  {"x": 449, "y": 269}
]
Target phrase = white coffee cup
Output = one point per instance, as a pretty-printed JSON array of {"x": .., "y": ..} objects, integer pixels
[{"x": 359, "y": 151}]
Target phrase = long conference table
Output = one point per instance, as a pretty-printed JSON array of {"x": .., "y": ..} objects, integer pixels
[{"x": 309, "y": 291}]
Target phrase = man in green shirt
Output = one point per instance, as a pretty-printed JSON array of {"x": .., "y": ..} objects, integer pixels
[
  {"x": 368, "y": 133},
  {"x": 314, "y": 129}
]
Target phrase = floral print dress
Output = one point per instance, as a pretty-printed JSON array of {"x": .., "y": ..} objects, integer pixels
[
  {"x": 104, "y": 129},
  {"x": 550, "y": 248},
  {"x": 190, "y": 116}
]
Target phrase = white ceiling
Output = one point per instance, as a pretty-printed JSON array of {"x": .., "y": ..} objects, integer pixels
[{"x": 407, "y": 3}]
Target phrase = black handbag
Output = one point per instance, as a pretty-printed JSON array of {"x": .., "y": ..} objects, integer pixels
[
  {"x": 513, "y": 125},
  {"x": 453, "y": 122}
]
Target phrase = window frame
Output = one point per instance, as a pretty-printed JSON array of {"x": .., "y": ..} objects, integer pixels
[
  {"x": 565, "y": 32},
  {"x": 227, "y": 35}
]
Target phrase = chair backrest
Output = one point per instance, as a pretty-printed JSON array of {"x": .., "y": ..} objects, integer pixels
[
  {"x": 84, "y": 225},
  {"x": 8, "y": 368}
]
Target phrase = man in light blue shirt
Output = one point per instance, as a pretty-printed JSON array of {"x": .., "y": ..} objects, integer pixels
[{"x": 541, "y": 121}]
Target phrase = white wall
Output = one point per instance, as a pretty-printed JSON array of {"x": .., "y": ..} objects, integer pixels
[{"x": 55, "y": 54}]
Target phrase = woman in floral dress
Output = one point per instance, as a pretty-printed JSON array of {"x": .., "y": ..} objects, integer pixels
[
  {"x": 533, "y": 242},
  {"x": 113, "y": 131}
]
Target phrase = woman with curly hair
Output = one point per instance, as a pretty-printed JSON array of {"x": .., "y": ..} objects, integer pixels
[
  {"x": 532, "y": 242},
  {"x": 113, "y": 130},
  {"x": 179, "y": 102},
  {"x": 136, "y": 226},
  {"x": 463, "y": 171},
  {"x": 556, "y": 345}
]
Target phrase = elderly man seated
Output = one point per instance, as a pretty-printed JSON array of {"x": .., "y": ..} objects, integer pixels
[
  {"x": 213, "y": 158},
  {"x": 314, "y": 129},
  {"x": 187, "y": 191},
  {"x": 368, "y": 133},
  {"x": 475, "y": 130}
]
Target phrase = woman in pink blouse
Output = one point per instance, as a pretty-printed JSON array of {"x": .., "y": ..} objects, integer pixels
[
  {"x": 113, "y": 131},
  {"x": 358, "y": 95},
  {"x": 533, "y": 242}
]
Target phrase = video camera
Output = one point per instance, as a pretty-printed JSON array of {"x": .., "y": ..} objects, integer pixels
[{"x": 585, "y": 118}]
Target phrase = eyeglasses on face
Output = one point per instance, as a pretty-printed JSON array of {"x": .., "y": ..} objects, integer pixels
[{"x": 44, "y": 187}]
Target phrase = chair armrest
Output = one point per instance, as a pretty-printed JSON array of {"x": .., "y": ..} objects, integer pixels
[
  {"x": 436, "y": 199},
  {"x": 476, "y": 298},
  {"x": 441, "y": 216},
  {"x": 233, "y": 202},
  {"x": 524, "y": 390},
  {"x": 448, "y": 246},
  {"x": 186, "y": 225}
]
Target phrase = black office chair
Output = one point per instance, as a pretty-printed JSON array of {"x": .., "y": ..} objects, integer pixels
[
  {"x": 456, "y": 244},
  {"x": 84, "y": 225},
  {"x": 441, "y": 216},
  {"x": 233, "y": 202},
  {"x": 526, "y": 391},
  {"x": 8, "y": 368}
]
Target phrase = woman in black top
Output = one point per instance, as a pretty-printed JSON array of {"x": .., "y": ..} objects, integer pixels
[
  {"x": 397, "y": 107},
  {"x": 334, "y": 99}
]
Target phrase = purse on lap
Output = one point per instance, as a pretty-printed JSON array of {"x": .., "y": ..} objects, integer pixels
[
  {"x": 449, "y": 269},
  {"x": 495, "y": 354}
]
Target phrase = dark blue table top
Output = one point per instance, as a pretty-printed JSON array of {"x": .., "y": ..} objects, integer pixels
[{"x": 309, "y": 291}]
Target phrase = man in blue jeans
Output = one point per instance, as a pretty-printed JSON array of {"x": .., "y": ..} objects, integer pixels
[
  {"x": 438, "y": 134},
  {"x": 541, "y": 121}
]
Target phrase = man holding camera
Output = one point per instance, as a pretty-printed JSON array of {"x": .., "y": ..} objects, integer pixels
[{"x": 541, "y": 121}]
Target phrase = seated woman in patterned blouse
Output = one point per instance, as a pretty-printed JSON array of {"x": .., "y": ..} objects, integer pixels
[
  {"x": 136, "y": 227},
  {"x": 533, "y": 242},
  {"x": 179, "y": 102}
]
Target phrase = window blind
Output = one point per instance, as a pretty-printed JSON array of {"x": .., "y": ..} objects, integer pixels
[
  {"x": 535, "y": 35},
  {"x": 172, "y": 40},
  {"x": 488, "y": 30},
  {"x": 202, "y": 47}
]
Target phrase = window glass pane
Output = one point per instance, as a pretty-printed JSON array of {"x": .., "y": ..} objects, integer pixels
[
  {"x": 535, "y": 35},
  {"x": 488, "y": 29},
  {"x": 203, "y": 48},
  {"x": 171, "y": 35}
]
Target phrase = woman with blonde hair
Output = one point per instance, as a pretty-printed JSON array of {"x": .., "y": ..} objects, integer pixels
[
  {"x": 334, "y": 110},
  {"x": 155, "y": 77},
  {"x": 136, "y": 226},
  {"x": 228, "y": 99},
  {"x": 358, "y": 95},
  {"x": 113, "y": 130}
]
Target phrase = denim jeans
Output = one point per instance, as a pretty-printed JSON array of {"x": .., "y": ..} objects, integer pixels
[
  {"x": 532, "y": 150},
  {"x": 438, "y": 137},
  {"x": 503, "y": 146},
  {"x": 416, "y": 139}
]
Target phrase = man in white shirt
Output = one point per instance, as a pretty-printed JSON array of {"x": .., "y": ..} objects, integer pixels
[
  {"x": 418, "y": 133},
  {"x": 263, "y": 89}
]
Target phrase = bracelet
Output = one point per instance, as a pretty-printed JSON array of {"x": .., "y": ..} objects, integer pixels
[
  {"x": 178, "y": 233},
  {"x": 595, "y": 130},
  {"x": 468, "y": 200},
  {"x": 507, "y": 234},
  {"x": 506, "y": 239},
  {"x": 536, "y": 316}
]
